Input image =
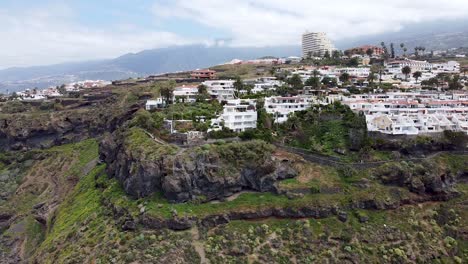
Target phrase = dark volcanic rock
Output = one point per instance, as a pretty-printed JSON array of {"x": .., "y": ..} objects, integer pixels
[
  {"x": 192, "y": 173},
  {"x": 427, "y": 178},
  {"x": 25, "y": 131}
]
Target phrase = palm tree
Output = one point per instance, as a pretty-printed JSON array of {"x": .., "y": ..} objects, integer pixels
[
  {"x": 417, "y": 75},
  {"x": 315, "y": 73},
  {"x": 238, "y": 86},
  {"x": 404, "y": 49},
  {"x": 406, "y": 71}
]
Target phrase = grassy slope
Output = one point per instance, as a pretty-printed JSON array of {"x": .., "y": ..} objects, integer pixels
[{"x": 84, "y": 230}]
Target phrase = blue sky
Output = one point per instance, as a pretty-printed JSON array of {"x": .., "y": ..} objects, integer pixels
[{"x": 52, "y": 31}]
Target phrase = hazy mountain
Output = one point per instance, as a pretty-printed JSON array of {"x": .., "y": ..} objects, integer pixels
[
  {"x": 144, "y": 63},
  {"x": 439, "y": 35},
  {"x": 434, "y": 36}
]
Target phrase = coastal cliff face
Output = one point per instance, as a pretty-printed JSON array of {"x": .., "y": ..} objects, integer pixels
[
  {"x": 25, "y": 131},
  {"x": 205, "y": 173}
]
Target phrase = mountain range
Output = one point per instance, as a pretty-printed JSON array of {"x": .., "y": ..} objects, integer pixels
[{"x": 439, "y": 35}]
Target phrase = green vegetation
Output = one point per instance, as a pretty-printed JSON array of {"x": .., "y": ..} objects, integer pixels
[
  {"x": 143, "y": 146},
  {"x": 327, "y": 129}
]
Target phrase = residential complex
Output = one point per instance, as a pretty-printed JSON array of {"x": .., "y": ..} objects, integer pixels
[
  {"x": 316, "y": 44},
  {"x": 238, "y": 115},
  {"x": 281, "y": 107},
  {"x": 412, "y": 113},
  {"x": 222, "y": 90}
]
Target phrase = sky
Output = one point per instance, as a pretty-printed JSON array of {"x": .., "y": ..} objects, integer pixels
[{"x": 52, "y": 31}]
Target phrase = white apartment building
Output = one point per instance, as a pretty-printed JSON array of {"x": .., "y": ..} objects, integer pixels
[
  {"x": 448, "y": 67},
  {"x": 238, "y": 115},
  {"x": 187, "y": 94},
  {"x": 415, "y": 124},
  {"x": 222, "y": 90},
  {"x": 395, "y": 67},
  {"x": 412, "y": 113},
  {"x": 265, "y": 84},
  {"x": 316, "y": 43},
  {"x": 361, "y": 72},
  {"x": 282, "y": 107}
]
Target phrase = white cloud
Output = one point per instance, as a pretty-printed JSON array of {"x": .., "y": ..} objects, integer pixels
[
  {"x": 52, "y": 35},
  {"x": 272, "y": 22},
  {"x": 47, "y": 36}
]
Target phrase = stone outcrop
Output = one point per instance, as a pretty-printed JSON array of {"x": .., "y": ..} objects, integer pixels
[
  {"x": 428, "y": 178},
  {"x": 25, "y": 131},
  {"x": 192, "y": 174}
]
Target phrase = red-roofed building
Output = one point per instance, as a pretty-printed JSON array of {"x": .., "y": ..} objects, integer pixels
[{"x": 204, "y": 74}]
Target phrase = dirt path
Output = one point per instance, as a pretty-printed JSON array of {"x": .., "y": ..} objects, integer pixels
[{"x": 198, "y": 245}]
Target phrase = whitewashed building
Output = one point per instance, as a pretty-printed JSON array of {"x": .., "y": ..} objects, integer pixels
[
  {"x": 281, "y": 107},
  {"x": 187, "y": 94},
  {"x": 238, "y": 115},
  {"x": 412, "y": 113},
  {"x": 222, "y": 90}
]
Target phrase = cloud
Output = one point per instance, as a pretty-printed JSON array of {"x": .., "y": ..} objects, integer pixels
[
  {"x": 274, "y": 22},
  {"x": 56, "y": 32},
  {"x": 46, "y": 36}
]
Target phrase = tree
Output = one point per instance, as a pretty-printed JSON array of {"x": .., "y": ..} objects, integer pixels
[
  {"x": 329, "y": 81},
  {"x": 238, "y": 86},
  {"x": 417, "y": 75},
  {"x": 327, "y": 54},
  {"x": 336, "y": 54},
  {"x": 402, "y": 46},
  {"x": 166, "y": 90},
  {"x": 202, "y": 89},
  {"x": 347, "y": 53},
  {"x": 295, "y": 82},
  {"x": 61, "y": 89},
  {"x": 406, "y": 71},
  {"x": 354, "y": 62},
  {"x": 454, "y": 83},
  {"x": 369, "y": 52},
  {"x": 392, "y": 50},
  {"x": 313, "y": 81},
  {"x": 371, "y": 77},
  {"x": 344, "y": 77}
]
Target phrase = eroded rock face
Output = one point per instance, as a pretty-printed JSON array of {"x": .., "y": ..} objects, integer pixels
[
  {"x": 25, "y": 131},
  {"x": 426, "y": 178},
  {"x": 188, "y": 174}
]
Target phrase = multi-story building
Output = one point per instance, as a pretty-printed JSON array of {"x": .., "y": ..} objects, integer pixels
[
  {"x": 377, "y": 51},
  {"x": 222, "y": 90},
  {"x": 238, "y": 115},
  {"x": 316, "y": 44},
  {"x": 412, "y": 113},
  {"x": 282, "y": 107},
  {"x": 396, "y": 66},
  {"x": 187, "y": 94},
  {"x": 204, "y": 74}
]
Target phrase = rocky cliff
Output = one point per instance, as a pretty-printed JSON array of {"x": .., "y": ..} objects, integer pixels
[
  {"x": 144, "y": 166},
  {"x": 43, "y": 130}
]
